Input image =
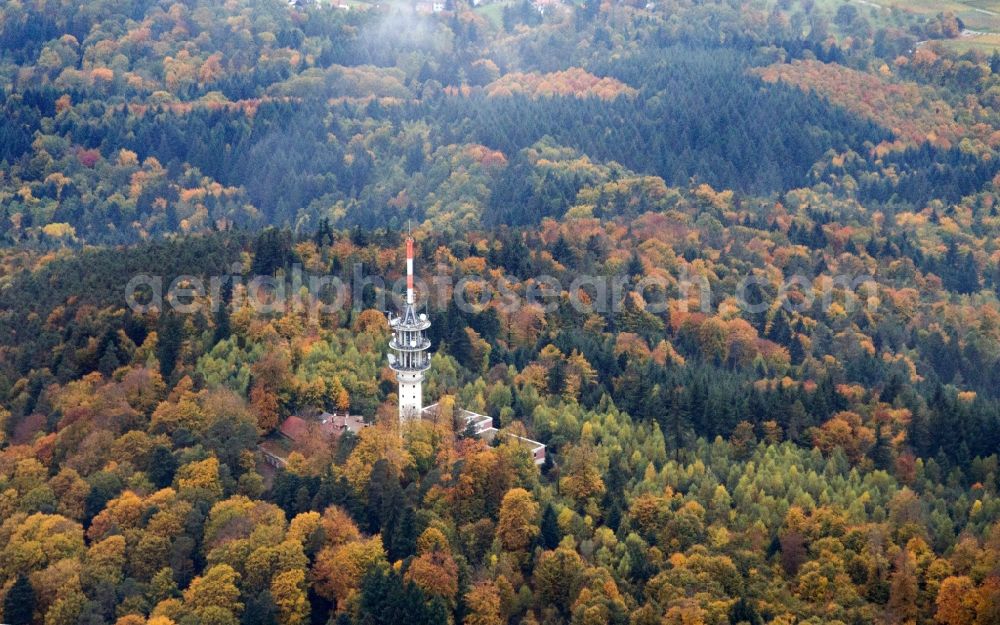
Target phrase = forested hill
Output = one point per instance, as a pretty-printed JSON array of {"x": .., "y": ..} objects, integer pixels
[
  {"x": 131, "y": 120},
  {"x": 828, "y": 458}
]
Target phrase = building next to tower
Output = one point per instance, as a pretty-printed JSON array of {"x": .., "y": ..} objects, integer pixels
[{"x": 408, "y": 355}]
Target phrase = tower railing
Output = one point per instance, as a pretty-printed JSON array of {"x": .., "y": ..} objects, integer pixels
[{"x": 410, "y": 346}]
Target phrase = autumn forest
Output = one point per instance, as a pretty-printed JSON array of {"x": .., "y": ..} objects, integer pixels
[{"x": 787, "y": 409}]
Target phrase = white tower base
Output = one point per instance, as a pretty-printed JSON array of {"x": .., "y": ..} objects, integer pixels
[{"x": 411, "y": 395}]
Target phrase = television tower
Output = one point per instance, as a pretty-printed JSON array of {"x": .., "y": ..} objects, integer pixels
[{"x": 408, "y": 355}]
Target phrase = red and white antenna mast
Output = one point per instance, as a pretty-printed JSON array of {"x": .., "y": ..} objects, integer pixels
[{"x": 409, "y": 270}]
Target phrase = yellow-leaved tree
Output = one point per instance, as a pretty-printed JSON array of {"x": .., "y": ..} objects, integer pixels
[
  {"x": 517, "y": 527},
  {"x": 214, "y": 596},
  {"x": 483, "y": 605},
  {"x": 380, "y": 442},
  {"x": 338, "y": 570},
  {"x": 288, "y": 590}
]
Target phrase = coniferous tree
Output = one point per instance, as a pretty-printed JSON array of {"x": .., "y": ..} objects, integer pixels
[
  {"x": 550, "y": 534},
  {"x": 169, "y": 345},
  {"x": 404, "y": 539},
  {"x": 557, "y": 378},
  {"x": 222, "y": 327},
  {"x": 162, "y": 466},
  {"x": 881, "y": 453},
  {"x": 744, "y": 612},
  {"x": 109, "y": 361},
  {"x": 387, "y": 600},
  {"x": 260, "y": 610},
  {"x": 19, "y": 602}
]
